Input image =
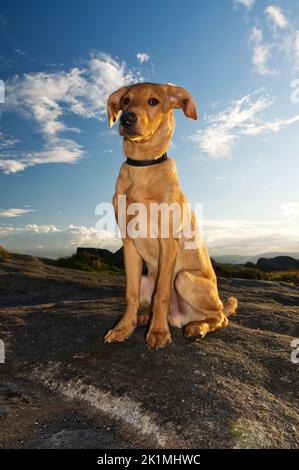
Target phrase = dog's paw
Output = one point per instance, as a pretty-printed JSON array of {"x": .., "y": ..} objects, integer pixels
[
  {"x": 118, "y": 334},
  {"x": 196, "y": 329},
  {"x": 158, "y": 339},
  {"x": 143, "y": 319}
]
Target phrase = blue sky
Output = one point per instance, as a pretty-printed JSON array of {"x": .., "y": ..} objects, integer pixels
[{"x": 60, "y": 60}]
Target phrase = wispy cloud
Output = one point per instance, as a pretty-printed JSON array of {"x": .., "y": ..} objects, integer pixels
[
  {"x": 277, "y": 16},
  {"x": 142, "y": 57},
  {"x": 261, "y": 53},
  {"x": 6, "y": 141},
  {"x": 283, "y": 40},
  {"x": 14, "y": 212},
  {"x": 47, "y": 98},
  {"x": 242, "y": 118},
  {"x": 247, "y": 3},
  {"x": 3, "y": 21}
]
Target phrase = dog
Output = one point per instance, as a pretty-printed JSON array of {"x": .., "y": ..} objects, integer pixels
[{"x": 180, "y": 288}]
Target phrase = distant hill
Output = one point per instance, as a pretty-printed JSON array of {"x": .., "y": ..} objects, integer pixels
[
  {"x": 241, "y": 259},
  {"x": 231, "y": 259},
  {"x": 284, "y": 269},
  {"x": 279, "y": 263},
  {"x": 274, "y": 254},
  {"x": 91, "y": 260},
  {"x": 113, "y": 259},
  {"x": 116, "y": 259},
  {"x": 102, "y": 261}
]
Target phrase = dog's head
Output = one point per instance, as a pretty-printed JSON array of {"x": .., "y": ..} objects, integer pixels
[{"x": 147, "y": 109}]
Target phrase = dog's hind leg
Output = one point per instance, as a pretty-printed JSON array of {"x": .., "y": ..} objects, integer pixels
[
  {"x": 205, "y": 312},
  {"x": 218, "y": 319},
  {"x": 201, "y": 328}
]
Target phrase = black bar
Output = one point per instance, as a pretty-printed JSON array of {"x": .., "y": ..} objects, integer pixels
[{"x": 133, "y": 458}]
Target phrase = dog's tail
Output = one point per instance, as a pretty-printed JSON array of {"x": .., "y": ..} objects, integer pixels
[{"x": 230, "y": 306}]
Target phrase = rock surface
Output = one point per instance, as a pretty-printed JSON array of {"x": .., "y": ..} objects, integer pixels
[{"x": 62, "y": 387}]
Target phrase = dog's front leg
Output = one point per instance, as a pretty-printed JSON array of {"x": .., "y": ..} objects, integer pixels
[
  {"x": 133, "y": 267},
  {"x": 159, "y": 335}
]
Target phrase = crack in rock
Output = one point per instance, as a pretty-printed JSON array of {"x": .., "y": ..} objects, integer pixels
[{"x": 125, "y": 409}]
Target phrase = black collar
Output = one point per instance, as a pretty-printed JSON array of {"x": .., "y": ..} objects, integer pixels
[{"x": 131, "y": 161}]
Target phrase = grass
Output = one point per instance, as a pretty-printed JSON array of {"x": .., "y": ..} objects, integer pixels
[
  {"x": 4, "y": 253},
  {"x": 243, "y": 272},
  {"x": 92, "y": 263},
  {"x": 87, "y": 262}
]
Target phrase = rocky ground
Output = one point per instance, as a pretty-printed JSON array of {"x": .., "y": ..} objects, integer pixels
[{"x": 62, "y": 387}]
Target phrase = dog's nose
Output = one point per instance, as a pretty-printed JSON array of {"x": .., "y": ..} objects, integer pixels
[{"x": 128, "y": 119}]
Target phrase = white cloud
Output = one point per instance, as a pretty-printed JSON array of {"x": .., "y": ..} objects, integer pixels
[
  {"x": 248, "y": 237},
  {"x": 282, "y": 43},
  {"x": 288, "y": 44},
  {"x": 6, "y": 141},
  {"x": 261, "y": 53},
  {"x": 11, "y": 166},
  {"x": 29, "y": 228},
  {"x": 270, "y": 126},
  {"x": 242, "y": 118},
  {"x": 47, "y": 98},
  {"x": 57, "y": 150},
  {"x": 142, "y": 57},
  {"x": 290, "y": 209},
  {"x": 260, "y": 58},
  {"x": 247, "y": 3},
  {"x": 53, "y": 241},
  {"x": 14, "y": 212},
  {"x": 256, "y": 35},
  {"x": 41, "y": 228},
  {"x": 276, "y": 16}
]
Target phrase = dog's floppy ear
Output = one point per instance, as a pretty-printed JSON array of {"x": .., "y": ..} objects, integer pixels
[
  {"x": 181, "y": 98},
  {"x": 113, "y": 105}
]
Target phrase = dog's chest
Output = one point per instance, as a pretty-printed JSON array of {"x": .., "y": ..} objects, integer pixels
[
  {"x": 145, "y": 193},
  {"x": 145, "y": 185},
  {"x": 138, "y": 192}
]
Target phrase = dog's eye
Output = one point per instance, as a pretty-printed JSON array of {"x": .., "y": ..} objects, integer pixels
[
  {"x": 153, "y": 102},
  {"x": 126, "y": 100}
]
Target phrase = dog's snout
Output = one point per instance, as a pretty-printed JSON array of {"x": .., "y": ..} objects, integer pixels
[{"x": 128, "y": 119}]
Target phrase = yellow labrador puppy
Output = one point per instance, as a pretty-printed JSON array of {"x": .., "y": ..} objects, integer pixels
[{"x": 180, "y": 287}]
